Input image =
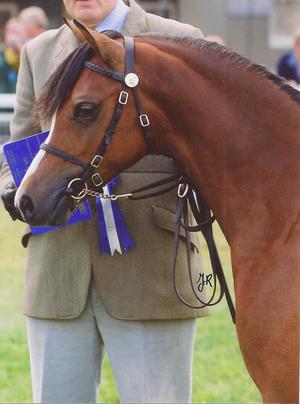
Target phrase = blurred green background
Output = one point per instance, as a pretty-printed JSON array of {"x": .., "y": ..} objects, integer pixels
[{"x": 219, "y": 372}]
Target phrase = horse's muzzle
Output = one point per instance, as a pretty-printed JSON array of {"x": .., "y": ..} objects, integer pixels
[{"x": 54, "y": 212}]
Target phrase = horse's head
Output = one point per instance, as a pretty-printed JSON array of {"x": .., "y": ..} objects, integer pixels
[{"x": 85, "y": 110}]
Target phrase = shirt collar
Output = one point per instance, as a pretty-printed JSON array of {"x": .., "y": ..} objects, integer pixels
[{"x": 116, "y": 19}]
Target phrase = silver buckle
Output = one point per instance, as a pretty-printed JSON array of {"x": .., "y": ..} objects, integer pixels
[
  {"x": 97, "y": 160},
  {"x": 97, "y": 179},
  {"x": 144, "y": 120},
  {"x": 123, "y": 98}
]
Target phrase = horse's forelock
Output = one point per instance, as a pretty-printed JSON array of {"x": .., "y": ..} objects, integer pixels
[{"x": 58, "y": 86}]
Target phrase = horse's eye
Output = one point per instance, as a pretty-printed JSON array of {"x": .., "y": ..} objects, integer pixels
[{"x": 85, "y": 110}]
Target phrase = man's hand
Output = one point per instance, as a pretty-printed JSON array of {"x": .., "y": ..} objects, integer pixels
[{"x": 8, "y": 197}]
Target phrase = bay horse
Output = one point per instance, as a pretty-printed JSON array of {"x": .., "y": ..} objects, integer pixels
[{"x": 233, "y": 129}]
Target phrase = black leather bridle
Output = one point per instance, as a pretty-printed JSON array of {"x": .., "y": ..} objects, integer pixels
[
  {"x": 190, "y": 196},
  {"x": 130, "y": 80}
]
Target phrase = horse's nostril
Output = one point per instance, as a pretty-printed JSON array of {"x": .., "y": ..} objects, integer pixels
[{"x": 27, "y": 207}]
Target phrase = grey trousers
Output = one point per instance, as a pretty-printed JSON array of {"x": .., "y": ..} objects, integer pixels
[{"x": 151, "y": 360}]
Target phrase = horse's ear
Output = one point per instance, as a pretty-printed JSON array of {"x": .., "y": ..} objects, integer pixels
[
  {"x": 110, "y": 50},
  {"x": 76, "y": 31}
]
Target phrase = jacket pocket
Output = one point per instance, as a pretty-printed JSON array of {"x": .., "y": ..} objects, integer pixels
[{"x": 165, "y": 219}]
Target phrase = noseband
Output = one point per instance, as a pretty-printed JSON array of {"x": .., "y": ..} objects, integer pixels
[{"x": 130, "y": 81}]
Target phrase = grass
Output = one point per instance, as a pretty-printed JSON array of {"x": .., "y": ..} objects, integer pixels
[{"x": 219, "y": 373}]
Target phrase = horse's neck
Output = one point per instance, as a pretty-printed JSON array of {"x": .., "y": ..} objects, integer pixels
[{"x": 234, "y": 135}]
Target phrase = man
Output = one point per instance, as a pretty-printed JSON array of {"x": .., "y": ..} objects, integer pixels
[
  {"x": 78, "y": 301},
  {"x": 14, "y": 39},
  {"x": 289, "y": 64},
  {"x": 35, "y": 21}
]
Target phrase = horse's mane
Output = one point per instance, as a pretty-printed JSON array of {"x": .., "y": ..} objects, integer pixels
[
  {"x": 235, "y": 58},
  {"x": 61, "y": 82}
]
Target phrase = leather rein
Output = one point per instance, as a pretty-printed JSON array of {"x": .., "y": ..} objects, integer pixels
[{"x": 78, "y": 189}]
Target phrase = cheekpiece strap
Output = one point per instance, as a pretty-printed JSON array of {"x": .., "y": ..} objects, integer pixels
[
  {"x": 131, "y": 77},
  {"x": 129, "y": 55}
]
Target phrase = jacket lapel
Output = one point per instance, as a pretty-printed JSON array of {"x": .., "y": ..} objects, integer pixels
[{"x": 67, "y": 43}]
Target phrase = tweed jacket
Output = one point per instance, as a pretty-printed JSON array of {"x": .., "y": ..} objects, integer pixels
[{"x": 60, "y": 264}]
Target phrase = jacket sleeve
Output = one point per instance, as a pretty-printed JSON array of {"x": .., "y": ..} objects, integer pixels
[{"x": 22, "y": 123}]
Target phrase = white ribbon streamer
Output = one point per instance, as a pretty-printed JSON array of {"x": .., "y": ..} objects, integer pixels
[{"x": 112, "y": 235}]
